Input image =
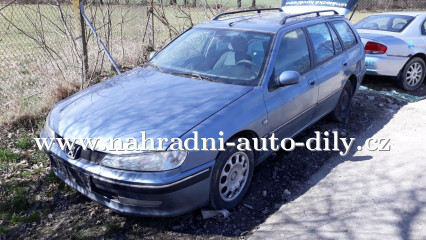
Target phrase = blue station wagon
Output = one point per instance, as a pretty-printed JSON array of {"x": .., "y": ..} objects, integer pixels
[{"x": 245, "y": 76}]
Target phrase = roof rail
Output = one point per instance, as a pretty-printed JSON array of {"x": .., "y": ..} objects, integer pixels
[
  {"x": 244, "y": 11},
  {"x": 307, "y": 13}
]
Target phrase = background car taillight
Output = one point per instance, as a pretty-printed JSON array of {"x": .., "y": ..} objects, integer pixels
[{"x": 375, "y": 48}]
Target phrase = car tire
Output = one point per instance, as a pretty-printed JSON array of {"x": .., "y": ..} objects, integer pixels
[
  {"x": 413, "y": 74},
  {"x": 231, "y": 177},
  {"x": 343, "y": 107}
]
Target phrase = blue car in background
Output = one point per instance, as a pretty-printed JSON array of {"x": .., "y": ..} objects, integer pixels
[{"x": 247, "y": 76}]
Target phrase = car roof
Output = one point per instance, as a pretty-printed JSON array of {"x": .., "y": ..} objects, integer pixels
[
  {"x": 412, "y": 14},
  {"x": 267, "y": 22}
]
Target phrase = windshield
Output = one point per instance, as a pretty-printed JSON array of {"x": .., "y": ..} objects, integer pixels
[
  {"x": 390, "y": 23},
  {"x": 222, "y": 55}
]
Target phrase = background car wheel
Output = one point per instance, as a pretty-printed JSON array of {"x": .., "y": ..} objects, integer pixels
[
  {"x": 344, "y": 105},
  {"x": 413, "y": 74},
  {"x": 231, "y": 177}
]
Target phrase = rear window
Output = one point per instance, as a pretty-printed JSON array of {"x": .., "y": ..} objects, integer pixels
[
  {"x": 346, "y": 34},
  {"x": 390, "y": 23},
  {"x": 321, "y": 39}
]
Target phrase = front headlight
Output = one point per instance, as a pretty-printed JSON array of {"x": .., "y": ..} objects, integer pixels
[
  {"x": 147, "y": 161},
  {"x": 49, "y": 132}
]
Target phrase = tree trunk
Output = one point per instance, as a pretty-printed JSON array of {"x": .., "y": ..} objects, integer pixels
[
  {"x": 172, "y": 2},
  {"x": 239, "y": 3},
  {"x": 253, "y": 3},
  {"x": 194, "y": 3}
]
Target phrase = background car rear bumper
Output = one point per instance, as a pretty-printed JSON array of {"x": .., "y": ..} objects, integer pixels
[{"x": 384, "y": 65}]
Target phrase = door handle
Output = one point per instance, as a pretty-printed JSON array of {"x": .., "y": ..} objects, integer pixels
[
  {"x": 311, "y": 83},
  {"x": 345, "y": 64}
]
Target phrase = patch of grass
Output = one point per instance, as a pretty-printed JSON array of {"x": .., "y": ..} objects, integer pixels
[
  {"x": 32, "y": 217},
  {"x": 18, "y": 201},
  {"x": 52, "y": 178},
  {"x": 4, "y": 230},
  {"x": 25, "y": 174},
  {"x": 7, "y": 156},
  {"x": 112, "y": 228},
  {"x": 24, "y": 142}
]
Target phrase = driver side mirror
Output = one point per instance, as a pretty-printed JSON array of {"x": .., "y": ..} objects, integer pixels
[
  {"x": 288, "y": 78},
  {"x": 152, "y": 54}
]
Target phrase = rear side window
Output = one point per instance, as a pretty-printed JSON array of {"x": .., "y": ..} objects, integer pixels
[
  {"x": 293, "y": 54},
  {"x": 321, "y": 39},
  {"x": 337, "y": 45},
  {"x": 424, "y": 28},
  {"x": 346, "y": 34}
]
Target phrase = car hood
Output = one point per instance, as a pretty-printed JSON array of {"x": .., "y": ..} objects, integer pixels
[{"x": 162, "y": 105}]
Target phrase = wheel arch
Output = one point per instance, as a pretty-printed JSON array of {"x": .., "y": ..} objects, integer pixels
[
  {"x": 354, "y": 82},
  {"x": 249, "y": 134},
  {"x": 419, "y": 55}
]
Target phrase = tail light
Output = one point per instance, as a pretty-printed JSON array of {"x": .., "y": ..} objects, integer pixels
[{"x": 375, "y": 48}]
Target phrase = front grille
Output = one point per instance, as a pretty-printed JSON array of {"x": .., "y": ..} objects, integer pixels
[{"x": 86, "y": 154}]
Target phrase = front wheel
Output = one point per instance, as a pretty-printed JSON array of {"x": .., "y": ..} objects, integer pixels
[
  {"x": 231, "y": 177},
  {"x": 413, "y": 74},
  {"x": 343, "y": 107}
]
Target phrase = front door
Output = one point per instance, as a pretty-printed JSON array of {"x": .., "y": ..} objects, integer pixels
[{"x": 291, "y": 108}]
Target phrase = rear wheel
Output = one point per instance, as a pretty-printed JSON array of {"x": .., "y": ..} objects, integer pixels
[
  {"x": 231, "y": 177},
  {"x": 343, "y": 107},
  {"x": 413, "y": 74}
]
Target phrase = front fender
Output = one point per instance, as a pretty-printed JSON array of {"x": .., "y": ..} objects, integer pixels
[{"x": 246, "y": 113}]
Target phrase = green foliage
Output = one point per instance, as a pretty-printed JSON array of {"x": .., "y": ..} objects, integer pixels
[
  {"x": 7, "y": 156},
  {"x": 3, "y": 230},
  {"x": 32, "y": 217},
  {"x": 112, "y": 228},
  {"x": 24, "y": 143},
  {"x": 18, "y": 200}
]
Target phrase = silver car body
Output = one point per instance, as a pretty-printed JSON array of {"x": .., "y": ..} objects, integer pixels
[
  {"x": 165, "y": 105},
  {"x": 402, "y": 46}
]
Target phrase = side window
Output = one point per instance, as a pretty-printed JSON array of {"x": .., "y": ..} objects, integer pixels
[
  {"x": 346, "y": 34},
  {"x": 293, "y": 54},
  {"x": 424, "y": 28},
  {"x": 337, "y": 45},
  {"x": 322, "y": 42},
  {"x": 399, "y": 23}
]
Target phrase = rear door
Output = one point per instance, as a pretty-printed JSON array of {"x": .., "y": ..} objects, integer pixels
[
  {"x": 291, "y": 108},
  {"x": 330, "y": 60}
]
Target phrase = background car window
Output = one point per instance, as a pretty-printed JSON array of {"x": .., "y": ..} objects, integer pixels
[
  {"x": 391, "y": 23},
  {"x": 337, "y": 45},
  {"x": 293, "y": 54},
  {"x": 399, "y": 23},
  {"x": 424, "y": 28},
  {"x": 345, "y": 33},
  {"x": 322, "y": 42}
]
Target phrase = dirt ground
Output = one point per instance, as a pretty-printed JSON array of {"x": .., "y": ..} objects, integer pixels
[{"x": 35, "y": 204}]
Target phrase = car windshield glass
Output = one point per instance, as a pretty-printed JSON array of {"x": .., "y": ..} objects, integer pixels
[
  {"x": 390, "y": 23},
  {"x": 221, "y": 55}
]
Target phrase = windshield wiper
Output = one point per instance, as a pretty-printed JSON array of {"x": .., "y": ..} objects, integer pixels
[
  {"x": 193, "y": 75},
  {"x": 155, "y": 66}
]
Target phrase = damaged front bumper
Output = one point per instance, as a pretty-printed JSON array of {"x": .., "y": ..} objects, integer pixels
[{"x": 168, "y": 193}]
